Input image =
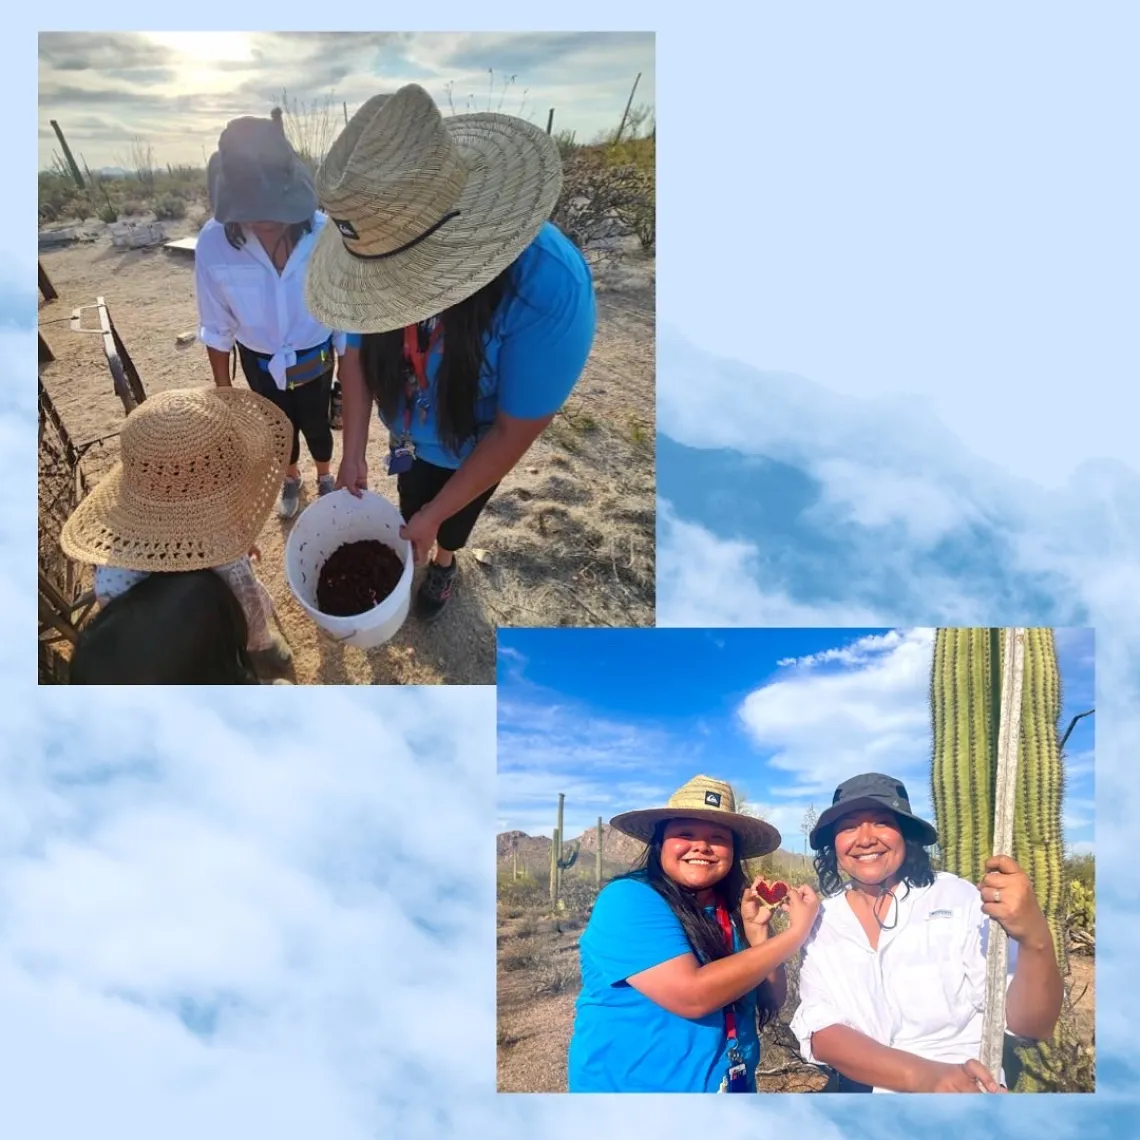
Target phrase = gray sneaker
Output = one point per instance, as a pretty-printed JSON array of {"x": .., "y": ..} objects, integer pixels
[
  {"x": 326, "y": 484},
  {"x": 290, "y": 498}
]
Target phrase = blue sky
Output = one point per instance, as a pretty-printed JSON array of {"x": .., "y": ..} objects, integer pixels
[
  {"x": 177, "y": 90},
  {"x": 617, "y": 719},
  {"x": 894, "y": 423}
]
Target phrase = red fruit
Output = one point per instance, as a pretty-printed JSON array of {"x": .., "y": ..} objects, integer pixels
[{"x": 773, "y": 893}]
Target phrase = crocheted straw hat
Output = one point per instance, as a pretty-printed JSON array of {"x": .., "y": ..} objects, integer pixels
[
  {"x": 198, "y": 474},
  {"x": 425, "y": 210},
  {"x": 707, "y": 799}
]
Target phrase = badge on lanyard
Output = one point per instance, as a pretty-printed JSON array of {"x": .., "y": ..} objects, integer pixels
[{"x": 736, "y": 1080}]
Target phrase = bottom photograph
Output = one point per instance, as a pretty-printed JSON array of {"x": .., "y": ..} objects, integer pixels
[{"x": 796, "y": 860}]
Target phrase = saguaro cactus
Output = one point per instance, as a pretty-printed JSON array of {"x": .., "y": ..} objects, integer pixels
[
  {"x": 598, "y": 857},
  {"x": 965, "y": 699},
  {"x": 561, "y": 859}
]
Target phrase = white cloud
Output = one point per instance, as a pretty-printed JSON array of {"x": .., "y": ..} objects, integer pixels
[{"x": 871, "y": 715}]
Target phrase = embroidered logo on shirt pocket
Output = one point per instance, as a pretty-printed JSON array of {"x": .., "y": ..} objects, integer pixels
[{"x": 940, "y": 914}]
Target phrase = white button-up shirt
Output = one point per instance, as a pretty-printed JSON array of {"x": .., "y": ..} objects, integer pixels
[
  {"x": 921, "y": 991},
  {"x": 242, "y": 297}
]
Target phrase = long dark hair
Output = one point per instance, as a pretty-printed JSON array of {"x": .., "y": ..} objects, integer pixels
[
  {"x": 701, "y": 929},
  {"x": 915, "y": 870},
  {"x": 464, "y": 328},
  {"x": 235, "y": 235}
]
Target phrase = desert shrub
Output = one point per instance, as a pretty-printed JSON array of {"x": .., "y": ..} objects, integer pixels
[
  {"x": 556, "y": 973},
  {"x": 107, "y": 213},
  {"x": 516, "y": 958},
  {"x": 600, "y": 203},
  {"x": 169, "y": 207},
  {"x": 524, "y": 894},
  {"x": 132, "y": 207}
]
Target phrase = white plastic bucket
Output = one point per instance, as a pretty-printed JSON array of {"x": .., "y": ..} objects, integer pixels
[{"x": 320, "y": 529}]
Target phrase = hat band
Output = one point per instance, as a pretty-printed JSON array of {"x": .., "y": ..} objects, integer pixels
[{"x": 347, "y": 228}]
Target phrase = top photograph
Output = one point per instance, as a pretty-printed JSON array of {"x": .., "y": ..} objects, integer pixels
[{"x": 346, "y": 351}]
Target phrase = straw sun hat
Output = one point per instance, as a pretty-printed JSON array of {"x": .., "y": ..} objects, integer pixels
[
  {"x": 425, "y": 210},
  {"x": 198, "y": 475},
  {"x": 707, "y": 799}
]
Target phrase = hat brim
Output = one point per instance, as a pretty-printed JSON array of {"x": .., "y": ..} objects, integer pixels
[
  {"x": 755, "y": 837},
  {"x": 513, "y": 182},
  {"x": 115, "y": 526},
  {"x": 823, "y": 825},
  {"x": 245, "y": 203}
]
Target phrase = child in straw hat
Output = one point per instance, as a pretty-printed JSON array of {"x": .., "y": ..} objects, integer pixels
[
  {"x": 249, "y": 271},
  {"x": 197, "y": 474},
  {"x": 680, "y": 969},
  {"x": 470, "y": 316}
]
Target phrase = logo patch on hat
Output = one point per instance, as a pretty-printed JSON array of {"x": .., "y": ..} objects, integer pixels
[
  {"x": 346, "y": 228},
  {"x": 712, "y": 799}
]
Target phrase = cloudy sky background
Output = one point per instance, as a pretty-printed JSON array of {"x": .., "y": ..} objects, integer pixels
[
  {"x": 289, "y": 999},
  {"x": 619, "y": 719},
  {"x": 177, "y": 90}
]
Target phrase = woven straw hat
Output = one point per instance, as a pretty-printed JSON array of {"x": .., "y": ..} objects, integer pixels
[
  {"x": 425, "y": 210},
  {"x": 198, "y": 475},
  {"x": 707, "y": 799}
]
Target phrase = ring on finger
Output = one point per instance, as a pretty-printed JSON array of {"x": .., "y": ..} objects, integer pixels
[{"x": 997, "y": 894}]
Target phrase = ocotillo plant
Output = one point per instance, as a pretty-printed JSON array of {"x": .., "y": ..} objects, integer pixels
[{"x": 965, "y": 698}]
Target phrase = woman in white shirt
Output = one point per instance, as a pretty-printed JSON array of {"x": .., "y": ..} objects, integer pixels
[
  {"x": 249, "y": 279},
  {"x": 892, "y": 980}
]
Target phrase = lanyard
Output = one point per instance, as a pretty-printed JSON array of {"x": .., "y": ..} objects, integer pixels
[
  {"x": 416, "y": 354},
  {"x": 725, "y": 924}
]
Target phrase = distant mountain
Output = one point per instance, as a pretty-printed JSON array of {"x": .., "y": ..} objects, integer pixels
[
  {"x": 112, "y": 172},
  {"x": 619, "y": 852}
]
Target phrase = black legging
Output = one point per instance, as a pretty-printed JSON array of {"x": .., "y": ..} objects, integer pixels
[{"x": 307, "y": 406}]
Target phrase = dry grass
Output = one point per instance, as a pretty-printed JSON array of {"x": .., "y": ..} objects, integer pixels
[{"x": 570, "y": 532}]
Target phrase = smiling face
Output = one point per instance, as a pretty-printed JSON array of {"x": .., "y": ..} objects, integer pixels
[
  {"x": 696, "y": 854},
  {"x": 869, "y": 846}
]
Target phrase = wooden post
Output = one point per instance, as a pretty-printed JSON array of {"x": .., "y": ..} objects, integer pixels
[
  {"x": 1005, "y": 793},
  {"x": 345, "y": 106},
  {"x": 47, "y": 289},
  {"x": 550, "y": 121},
  {"x": 625, "y": 114},
  {"x": 68, "y": 155}
]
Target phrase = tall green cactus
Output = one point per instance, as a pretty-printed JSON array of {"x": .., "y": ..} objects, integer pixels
[
  {"x": 965, "y": 699},
  {"x": 598, "y": 858},
  {"x": 559, "y": 859}
]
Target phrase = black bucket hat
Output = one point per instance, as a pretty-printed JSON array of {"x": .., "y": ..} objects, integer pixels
[
  {"x": 256, "y": 176},
  {"x": 870, "y": 790}
]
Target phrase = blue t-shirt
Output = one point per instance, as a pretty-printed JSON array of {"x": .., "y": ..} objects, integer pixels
[
  {"x": 536, "y": 346},
  {"x": 622, "y": 1041}
]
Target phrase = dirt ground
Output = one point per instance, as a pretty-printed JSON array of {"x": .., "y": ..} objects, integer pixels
[
  {"x": 570, "y": 533},
  {"x": 538, "y": 982}
]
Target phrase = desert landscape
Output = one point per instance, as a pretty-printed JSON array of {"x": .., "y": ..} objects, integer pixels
[
  {"x": 569, "y": 537},
  {"x": 538, "y": 972}
]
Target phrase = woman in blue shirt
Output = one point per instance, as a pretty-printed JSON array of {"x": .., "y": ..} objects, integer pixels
[
  {"x": 470, "y": 315},
  {"x": 679, "y": 967}
]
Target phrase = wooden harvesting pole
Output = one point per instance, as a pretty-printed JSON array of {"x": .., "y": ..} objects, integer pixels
[{"x": 1005, "y": 793}]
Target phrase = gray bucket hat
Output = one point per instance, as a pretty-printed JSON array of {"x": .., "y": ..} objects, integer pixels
[
  {"x": 870, "y": 790},
  {"x": 256, "y": 176}
]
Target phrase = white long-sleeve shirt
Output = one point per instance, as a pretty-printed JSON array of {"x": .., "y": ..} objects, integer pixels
[
  {"x": 242, "y": 297},
  {"x": 923, "y": 989}
]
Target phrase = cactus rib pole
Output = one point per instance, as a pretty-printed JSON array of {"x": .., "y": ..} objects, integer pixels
[{"x": 1005, "y": 794}]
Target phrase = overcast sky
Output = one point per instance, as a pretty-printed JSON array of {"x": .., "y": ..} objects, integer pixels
[{"x": 177, "y": 90}]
